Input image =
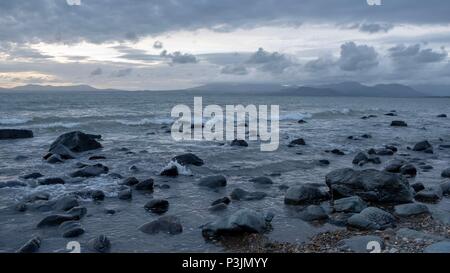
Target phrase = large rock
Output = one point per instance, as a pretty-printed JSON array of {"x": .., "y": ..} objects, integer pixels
[
  {"x": 242, "y": 221},
  {"x": 423, "y": 146},
  {"x": 216, "y": 181},
  {"x": 165, "y": 224},
  {"x": 409, "y": 170},
  {"x": 31, "y": 246},
  {"x": 71, "y": 229},
  {"x": 51, "y": 181},
  {"x": 15, "y": 134},
  {"x": 239, "y": 142},
  {"x": 446, "y": 173},
  {"x": 55, "y": 220},
  {"x": 304, "y": 194},
  {"x": 145, "y": 185},
  {"x": 445, "y": 186},
  {"x": 91, "y": 171},
  {"x": 243, "y": 195},
  {"x": 130, "y": 181},
  {"x": 360, "y": 244},
  {"x": 313, "y": 213},
  {"x": 394, "y": 166},
  {"x": 360, "y": 158},
  {"x": 372, "y": 218},
  {"x": 371, "y": 185},
  {"x": 61, "y": 151},
  {"x": 411, "y": 209},
  {"x": 77, "y": 142},
  {"x": 353, "y": 204},
  {"x": 158, "y": 206},
  {"x": 429, "y": 195},
  {"x": 188, "y": 159}
]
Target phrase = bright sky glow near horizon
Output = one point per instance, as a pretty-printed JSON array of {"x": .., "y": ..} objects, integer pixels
[{"x": 178, "y": 44}]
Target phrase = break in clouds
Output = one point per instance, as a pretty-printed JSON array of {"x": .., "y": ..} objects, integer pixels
[{"x": 180, "y": 44}]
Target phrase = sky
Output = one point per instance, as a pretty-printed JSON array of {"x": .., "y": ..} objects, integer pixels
[{"x": 174, "y": 44}]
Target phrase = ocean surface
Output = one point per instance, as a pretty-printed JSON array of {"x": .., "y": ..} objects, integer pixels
[{"x": 139, "y": 121}]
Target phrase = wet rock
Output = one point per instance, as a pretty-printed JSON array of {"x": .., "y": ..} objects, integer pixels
[
  {"x": 71, "y": 229},
  {"x": 383, "y": 152},
  {"x": 31, "y": 246},
  {"x": 12, "y": 184},
  {"x": 77, "y": 142},
  {"x": 61, "y": 151},
  {"x": 125, "y": 194},
  {"x": 55, "y": 220},
  {"x": 359, "y": 244},
  {"x": 353, "y": 204},
  {"x": 429, "y": 195},
  {"x": 170, "y": 172},
  {"x": 134, "y": 168},
  {"x": 158, "y": 206},
  {"x": 360, "y": 158},
  {"x": 100, "y": 244},
  {"x": 32, "y": 176},
  {"x": 77, "y": 212},
  {"x": 115, "y": 176},
  {"x": 216, "y": 181},
  {"x": 391, "y": 114},
  {"x": 440, "y": 247},
  {"x": 243, "y": 195},
  {"x": 304, "y": 194},
  {"x": 262, "y": 180},
  {"x": 97, "y": 195},
  {"x": 218, "y": 207},
  {"x": 51, "y": 181},
  {"x": 21, "y": 207},
  {"x": 324, "y": 162},
  {"x": 372, "y": 218},
  {"x": 399, "y": 123},
  {"x": 65, "y": 203},
  {"x": 20, "y": 158},
  {"x": 36, "y": 197},
  {"x": 145, "y": 185},
  {"x": 394, "y": 166},
  {"x": 15, "y": 134},
  {"x": 408, "y": 169},
  {"x": 130, "y": 181},
  {"x": 418, "y": 186},
  {"x": 165, "y": 224},
  {"x": 302, "y": 121},
  {"x": 188, "y": 159},
  {"x": 55, "y": 159},
  {"x": 442, "y": 116},
  {"x": 224, "y": 200},
  {"x": 423, "y": 146},
  {"x": 406, "y": 210},
  {"x": 337, "y": 152},
  {"x": 242, "y": 221},
  {"x": 91, "y": 171},
  {"x": 296, "y": 142},
  {"x": 371, "y": 185},
  {"x": 239, "y": 142},
  {"x": 446, "y": 173},
  {"x": 445, "y": 186},
  {"x": 313, "y": 213}
]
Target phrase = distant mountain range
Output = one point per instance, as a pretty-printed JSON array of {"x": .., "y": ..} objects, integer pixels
[{"x": 350, "y": 89}]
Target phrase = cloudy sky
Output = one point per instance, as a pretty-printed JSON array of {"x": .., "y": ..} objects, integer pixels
[{"x": 170, "y": 44}]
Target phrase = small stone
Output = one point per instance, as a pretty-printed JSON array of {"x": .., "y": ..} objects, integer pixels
[
  {"x": 399, "y": 123},
  {"x": 71, "y": 229},
  {"x": 51, "y": 181},
  {"x": 100, "y": 244},
  {"x": 158, "y": 206},
  {"x": 145, "y": 185},
  {"x": 130, "y": 181},
  {"x": 213, "y": 181},
  {"x": 31, "y": 246}
]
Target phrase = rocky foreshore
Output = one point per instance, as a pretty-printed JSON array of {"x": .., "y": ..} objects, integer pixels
[{"x": 375, "y": 199}]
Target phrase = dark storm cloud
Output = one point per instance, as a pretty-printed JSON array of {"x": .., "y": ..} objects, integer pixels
[
  {"x": 357, "y": 57},
  {"x": 269, "y": 61},
  {"x": 117, "y": 20},
  {"x": 415, "y": 54},
  {"x": 321, "y": 63},
  {"x": 14, "y": 51}
]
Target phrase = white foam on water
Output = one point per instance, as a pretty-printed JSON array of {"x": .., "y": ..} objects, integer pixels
[
  {"x": 183, "y": 170},
  {"x": 14, "y": 120}
]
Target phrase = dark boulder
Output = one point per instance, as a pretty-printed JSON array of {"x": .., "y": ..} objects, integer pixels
[
  {"x": 394, "y": 166},
  {"x": 360, "y": 158},
  {"x": 262, "y": 180},
  {"x": 446, "y": 173},
  {"x": 31, "y": 246},
  {"x": 353, "y": 204},
  {"x": 442, "y": 116},
  {"x": 32, "y": 176},
  {"x": 304, "y": 194},
  {"x": 15, "y": 134},
  {"x": 55, "y": 220},
  {"x": 406, "y": 210},
  {"x": 240, "y": 222},
  {"x": 224, "y": 200},
  {"x": 429, "y": 195},
  {"x": 418, "y": 186},
  {"x": 130, "y": 181},
  {"x": 423, "y": 146},
  {"x": 409, "y": 170},
  {"x": 296, "y": 142},
  {"x": 171, "y": 171},
  {"x": 165, "y": 224},
  {"x": 158, "y": 206},
  {"x": 77, "y": 142},
  {"x": 216, "y": 181},
  {"x": 145, "y": 185},
  {"x": 188, "y": 159},
  {"x": 313, "y": 213},
  {"x": 399, "y": 123},
  {"x": 51, "y": 181},
  {"x": 371, "y": 185},
  {"x": 239, "y": 142}
]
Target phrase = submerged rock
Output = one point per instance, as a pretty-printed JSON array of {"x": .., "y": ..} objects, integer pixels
[
  {"x": 188, "y": 159},
  {"x": 242, "y": 221},
  {"x": 446, "y": 173},
  {"x": 429, "y": 195},
  {"x": 71, "y": 229},
  {"x": 353, "y": 204},
  {"x": 15, "y": 134},
  {"x": 372, "y": 218},
  {"x": 216, "y": 181},
  {"x": 408, "y": 169},
  {"x": 243, "y": 195},
  {"x": 442, "y": 116},
  {"x": 31, "y": 246},
  {"x": 313, "y": 213},
  {"x": 51, "y": 181},
  {"x": 91, "y": 171},
  {"x": 130, "y": 181},
  {"x": 158, "y": 206},
  {"x": 394, "y": 166},
  {"x": 165, "y": 224},
  {"x": 55, "y": 220},
  {"x": 77, "y": 142},
  {"x": 399, "y": 123},
  {"x": 262, "y": 180},
  {"x": 170, "y": 172},
  {"x": 423, "y": 146},
  {"x": 239, "y": 142},
  {"x": 100, "y": 244},
  {"x": 360, "y": 158},
  {"x": 145, "y": 185},
  {"x": 371, "y": 185},
  {"x": 304, "y": 194},
  {"x": 296, "y": 142}
]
